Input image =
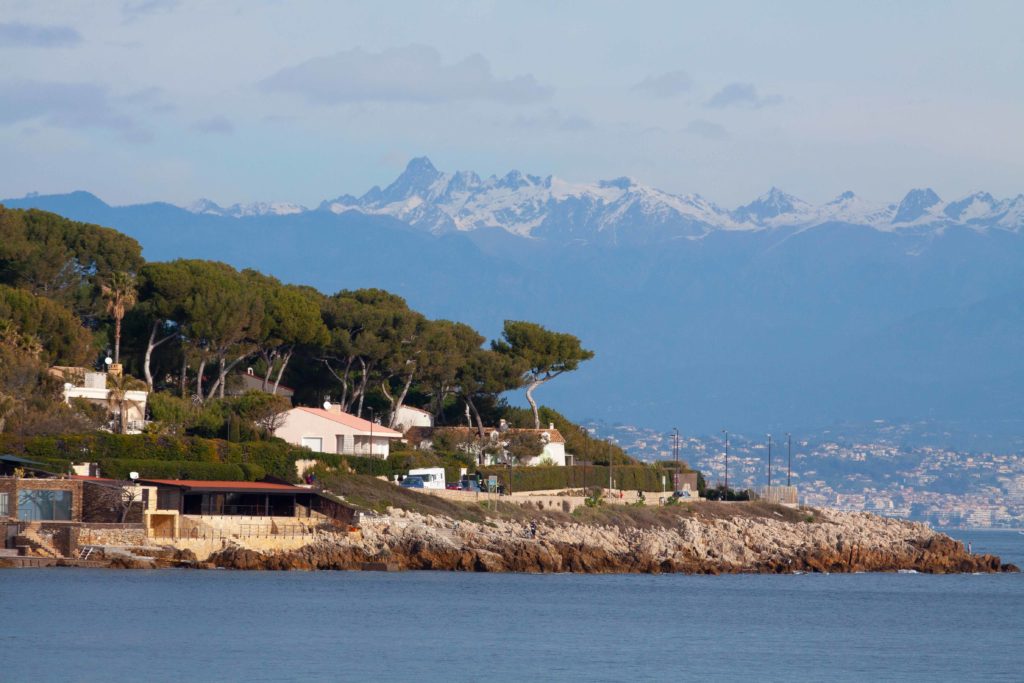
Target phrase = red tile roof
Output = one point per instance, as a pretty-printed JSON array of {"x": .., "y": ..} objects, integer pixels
[
  {"x": 418, "y": 434},
  {"x": 251, "y": 486},
  {"x": 353, "y": 422}
]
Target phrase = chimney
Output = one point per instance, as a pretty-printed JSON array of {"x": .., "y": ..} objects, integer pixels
[
  {"x": 551, "y": 425},
  {"x": 502, "y": 425}
]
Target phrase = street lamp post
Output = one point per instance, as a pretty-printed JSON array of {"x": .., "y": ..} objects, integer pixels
[
  {"x": 371, "y": 430},
  {"x": 726, "y": 463},
  {"x": 789, "y": 457},
  {"x": 769, "y": 464}
]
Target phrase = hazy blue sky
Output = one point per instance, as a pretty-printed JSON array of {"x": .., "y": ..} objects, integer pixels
[{"x": 300, "y": 101}]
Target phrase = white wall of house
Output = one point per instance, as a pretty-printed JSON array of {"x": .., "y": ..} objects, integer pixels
[
  {"x": 134, "y": 403},
  {"x": 412, "y": 417},
  {"x": 553, "y": 451},
  {"x": 323, "y": 432}
]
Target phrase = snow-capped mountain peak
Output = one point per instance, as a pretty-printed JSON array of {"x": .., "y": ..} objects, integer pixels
[
  {"x": 974, "y": 205},
  {"x": 916, "y": 204},
  {"x": 623, "y": 210},
  {"x": 772, "y": 206},
  {"x": 206, "y": 206}
]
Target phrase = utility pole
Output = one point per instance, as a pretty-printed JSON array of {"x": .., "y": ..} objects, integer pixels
[
  {"x": 611, "y": 465},
  {"x": 675, "y": 444},
  {"x": 769, "y": 464},
  {"x": 726, "y": 464},
  {"x": 789, "y": 457}
]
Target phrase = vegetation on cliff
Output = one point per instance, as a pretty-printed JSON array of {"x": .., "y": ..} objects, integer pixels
[{"x": 72, "y": 293}]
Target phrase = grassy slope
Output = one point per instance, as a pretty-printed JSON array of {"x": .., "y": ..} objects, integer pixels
[{"x": 375, "y": 494}]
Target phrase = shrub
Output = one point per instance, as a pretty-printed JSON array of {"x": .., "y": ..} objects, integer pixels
[
  {"x": 626, "y": 477},
  {"x": 171, "y": 469}
]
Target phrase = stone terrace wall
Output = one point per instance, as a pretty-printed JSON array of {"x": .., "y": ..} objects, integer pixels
[{"x": 112, "y": 534}]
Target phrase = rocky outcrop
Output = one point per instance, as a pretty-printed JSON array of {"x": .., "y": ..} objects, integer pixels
[{"x": 833, "y": 542}]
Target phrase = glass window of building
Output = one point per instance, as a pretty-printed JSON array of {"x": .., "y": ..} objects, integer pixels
[{"x": 44, "y": 505}]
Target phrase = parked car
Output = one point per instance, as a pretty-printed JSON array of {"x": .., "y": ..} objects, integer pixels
[
  {"x": 453, "y": 487},
  {"x": 470, "y": 485},
  {"x": 412, "y": 482}
]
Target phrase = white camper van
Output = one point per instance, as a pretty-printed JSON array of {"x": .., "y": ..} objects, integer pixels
[{"x": 433, "y": 477}]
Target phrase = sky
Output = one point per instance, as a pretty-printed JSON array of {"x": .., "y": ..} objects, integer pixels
[{"x": 301, "y": 101}]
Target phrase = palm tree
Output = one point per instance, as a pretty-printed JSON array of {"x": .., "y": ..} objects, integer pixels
[
  {"x": 7, "y": 406},
  {"x": 118, "y": 403},
  {"x": 121, "y": 295}
]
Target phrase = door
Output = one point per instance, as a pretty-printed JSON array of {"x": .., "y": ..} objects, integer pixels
[{"x": 313, "y": 443}]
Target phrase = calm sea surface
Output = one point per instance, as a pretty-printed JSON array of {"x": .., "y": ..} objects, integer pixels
[{"x": 83, "y": 625}]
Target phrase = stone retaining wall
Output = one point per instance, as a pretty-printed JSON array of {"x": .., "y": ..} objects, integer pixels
[{"x": 112, "y": 534}]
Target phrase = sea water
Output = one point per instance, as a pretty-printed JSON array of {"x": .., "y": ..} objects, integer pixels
[{"x": 181, "y": 625}]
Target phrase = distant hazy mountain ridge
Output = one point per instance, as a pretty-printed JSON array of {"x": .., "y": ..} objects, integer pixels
[
  {"x": 773, "y": 315},
  {"x": 621, "y": 210}
]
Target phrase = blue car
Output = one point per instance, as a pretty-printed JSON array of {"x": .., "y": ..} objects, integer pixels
[{"x": 412, "y": 482}]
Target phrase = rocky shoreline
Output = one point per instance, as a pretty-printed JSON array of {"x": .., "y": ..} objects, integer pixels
[{"x": 833, "y": 542}]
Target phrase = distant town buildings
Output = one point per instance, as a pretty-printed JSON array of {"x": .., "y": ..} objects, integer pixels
[{"x": 943, "y": 487}]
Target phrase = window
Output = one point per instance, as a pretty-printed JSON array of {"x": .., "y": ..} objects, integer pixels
[
  {"x": 35, "y": 504},
  {"x": 313, "y": 443},
  {"x": 341, "y": 443},
  {"x": 167, "y": 499},
  {"x": 4, "y": 504}
]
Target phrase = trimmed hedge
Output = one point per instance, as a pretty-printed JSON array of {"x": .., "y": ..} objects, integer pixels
[
  {"x": 176, "y": 469},
  {"x": 627, "y": 477},
  {"x": 255, "y": 458}
]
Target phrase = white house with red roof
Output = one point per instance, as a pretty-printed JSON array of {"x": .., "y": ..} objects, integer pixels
[{"x": 332, "y": 431}]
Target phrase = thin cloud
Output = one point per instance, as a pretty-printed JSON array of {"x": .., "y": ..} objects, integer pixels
[
  {"x": 216, "y": 125},
  {"x": 741, "y": 95},
  {"x": 66, "y": 105},
  {"x": 666, "y": 85},
  {"x": 407, "y": 74},
  {"x": 552, "y": 119},
  {"x": 707, "y": 129},
  {"x": 37, "y": 35},
  {"x": 137, "y": 9}
]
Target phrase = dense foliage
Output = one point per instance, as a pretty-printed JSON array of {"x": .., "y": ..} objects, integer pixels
[
  {"x": 73, "y": 292},
  {"x": 625, "y": 477}
]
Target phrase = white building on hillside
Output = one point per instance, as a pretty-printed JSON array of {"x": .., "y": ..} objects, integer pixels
[
  {"x": 92, "y": 388},
  {"x": 412, "y": 417},
  {"x": 332, "y": 431},
  {"x": 551, "y": 439}
]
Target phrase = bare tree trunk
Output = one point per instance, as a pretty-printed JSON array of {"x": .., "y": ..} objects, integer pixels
[
  {"x": 343, "y": 378},
  {"x": 150, "y": 347},
  {"x": 269, "y": 359},
  {"x": 280, "y": 371},
  {"x": 199, "y": 379},
  {"x": 533, "y": 404},
  {"x": 362, "y": 387},
  {"x": 220, "y": 379},
  {"x": 476, "y": 414},
  {"x": 183, "y": 378},
  {"x": 396, "y": 405},
  {"x": 222, "y": 376},
  {"x": 117, "y": 339}
]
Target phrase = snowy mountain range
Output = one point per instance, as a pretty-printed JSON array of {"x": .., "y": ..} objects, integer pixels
[
  {"x": 768, "y": 316},
  {"x": 207, "y": 207},
  {"x": 622, "y": 210}
]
